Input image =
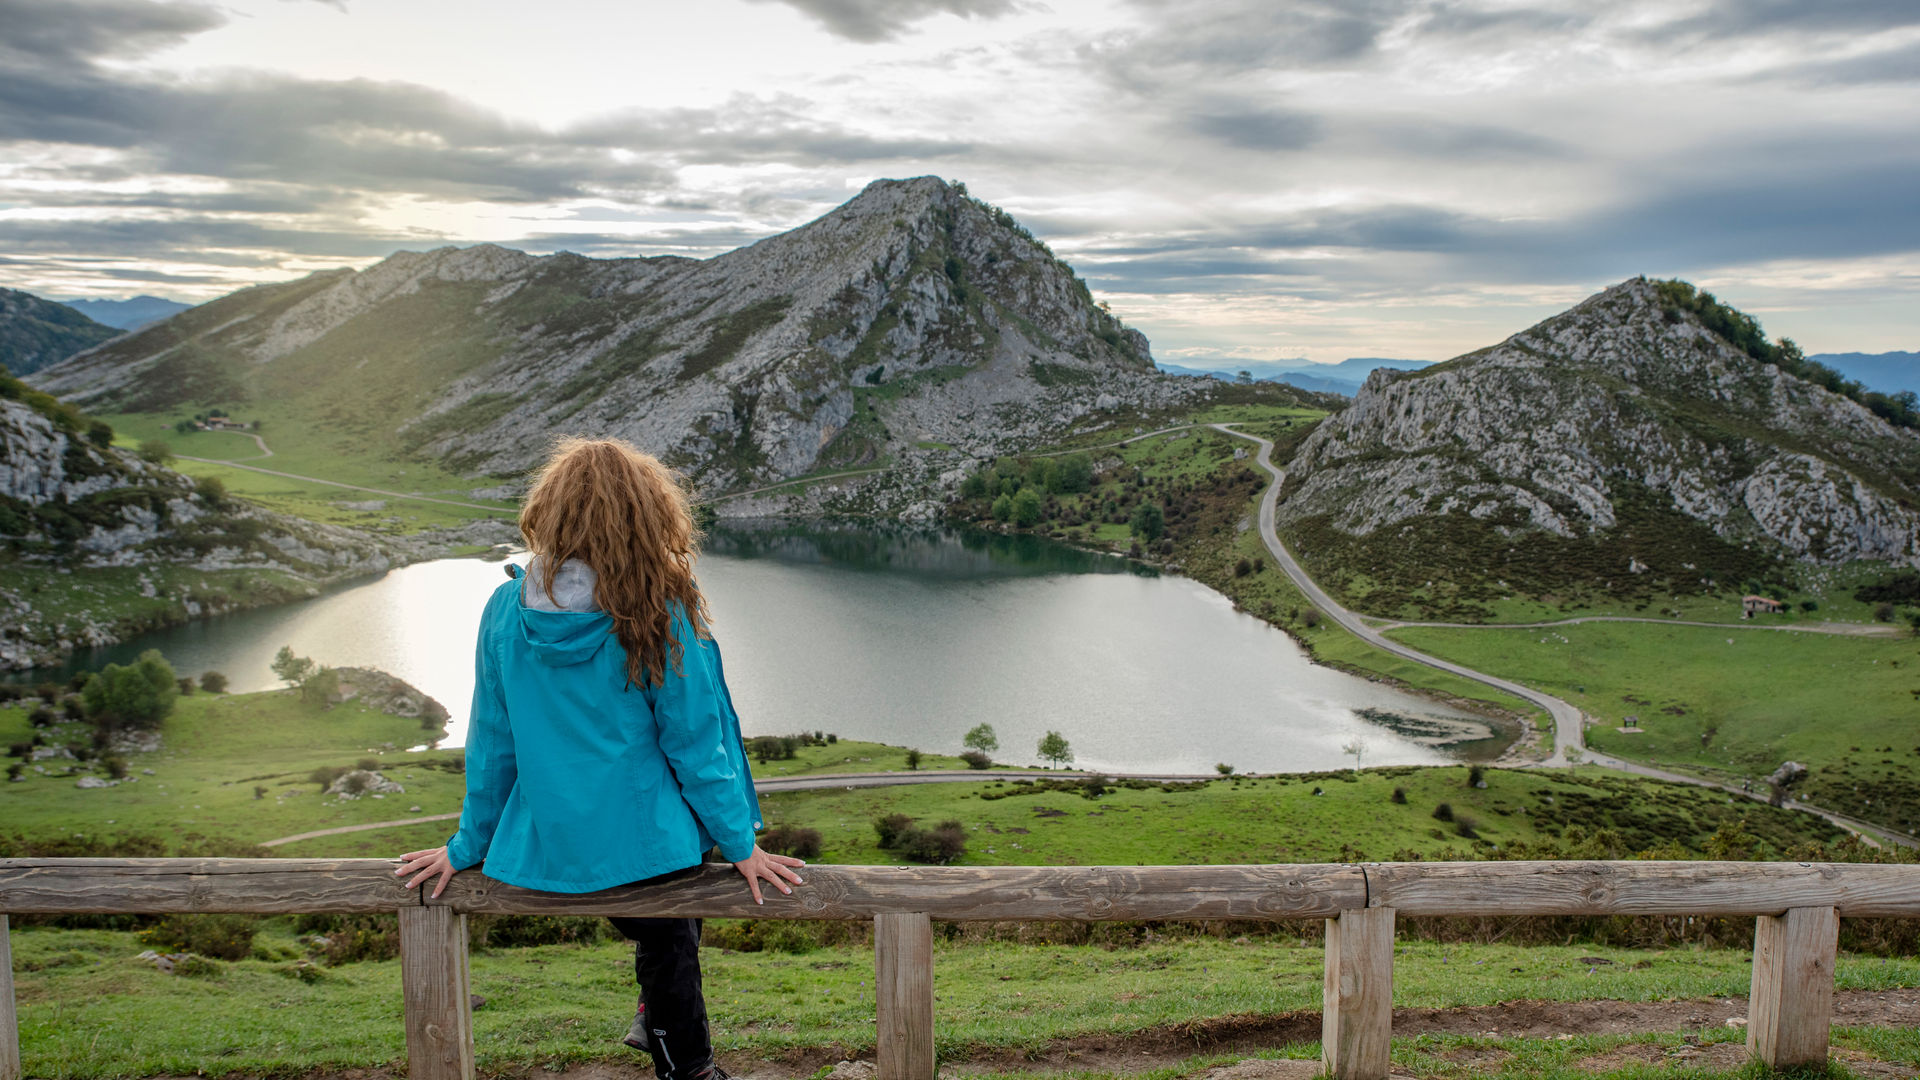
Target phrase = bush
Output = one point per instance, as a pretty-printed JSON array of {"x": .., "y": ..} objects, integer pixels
[
  {"x": 1243, "y": 568},
  {"x": 976, "y": 760},
  {"x": 73, "y": 708},
  {"x": 1466, "y": 826},
  {"x": 1147, "y": 522},
  {"x": 347, "y": 939},
  {"x": 47, "y": 691},
  {"x": 42, "y": 717},
  {"x": 140, "y": 695},
  {"x": 185, "y": 682},
  {"x": 792, "y": 840},
  {"x": 913, "y": 759},
  {"x": 521, "y": 931},
  {"x": 16, "y": 770},
  {"x": 761, "y": 935},
  {"x": 156, "y": 451},
  {"x": 1883, "y": 612},
  {"x": 889, "y": 828},
  {"x": 1223, "y": 769},
  {"x": 1443, "y": 812},
  {"x": 1002, "y": 509},
  {"x": 211, "y": 490},
  {"x": 937, "y": 846},
  {"x": 213, "y": 682},
  {"x": 222, "y": 937},
  {"x": 327, "y": 774},
  {"x": 194, "y": 966},
  {"x": 367, "y": 764},
  {"x": 1311, "y": 618},
  {"x": 1400, "y": 796},
  {"x": 116, "y": 767},
  {"x": 1476, "y": 775}
]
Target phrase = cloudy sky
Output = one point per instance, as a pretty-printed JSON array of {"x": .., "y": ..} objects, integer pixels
[{"x": 1257, "y": 179}]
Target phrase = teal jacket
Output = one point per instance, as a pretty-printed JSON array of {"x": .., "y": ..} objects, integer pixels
[{"x": 578, "y": 782}]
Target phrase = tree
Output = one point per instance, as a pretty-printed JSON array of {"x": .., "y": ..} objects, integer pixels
[
  {"x": 139, "y": 695},
  {"x": 213, "y": 682},
  {"x": 100, "y": 433},
  {"x": 1026, "y": 507},
  {"x": 212, "y": 491},
  {"x": 156, "y": 451},
  {"x": 1053, "y": 748},
  {"x": 1244, "y": 378},
  {"x": 1358, "y": 748},
  {"x": 981, "y": 738},
  {"x": 1072, "y": 474},
  {"x": 913, "y": 759},
  {"x": 292, "y": 670},
  {"x": 1002, "y": 508},
  {"x": 1148, "y": 521}
]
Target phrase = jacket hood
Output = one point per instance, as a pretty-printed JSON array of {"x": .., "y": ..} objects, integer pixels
[{"x": 560, "y": 635}]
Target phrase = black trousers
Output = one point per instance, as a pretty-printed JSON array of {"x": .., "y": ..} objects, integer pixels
[{"x": 666, "y": 964}]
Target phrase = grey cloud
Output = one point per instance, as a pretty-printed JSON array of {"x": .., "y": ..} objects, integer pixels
[
  {"x": 1888, "y": 66},
  {"x": 1256, "y": 128},
  {"x": 75, "y": 31},
  {"x": 879, "y": 20},
  {"x": 1740, "y": 18},
  {"x": 213, "y": 241},
  {"x": 1228, "y": 37},
  {"x": 699, "y": 242}
]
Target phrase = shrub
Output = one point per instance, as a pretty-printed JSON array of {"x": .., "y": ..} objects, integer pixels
[
  {"x": 1223, "y": 769},
  {"x": 42, "y": 717},
  {"x": 73, "y": 708},
  {"x": 1883, "y": 612},
  {"x": 1476, "y": 775},
  {"x": 832, "y": 738},
  {"x": 760, "y": 935},
  {"x": 47, "y": 691},
  {"x": 1400, "y": 796},
  {"x": 889, "y": 828},
  {"x": 367, "y": 764},
  {"x": 1466, "y": 826},
  {"x": 976, "y": 760},
  {"x": 139, "y": 695},
  {"x": 116, "y": 767},
  {"x": 211, "y": 490},
  {"x": 938, "y": 846},
  {"x": 1243, "y": 568},
  {"x": 1443, "y": 812},
  {"x": 1148, "y": 521},
  {"x": 156, "y": 451},
  {"x": 347, "y": 939},
  {"x": 520, "y": 931},
  {"x": 1002, "y": 509},
  {"x": 1311, "y": 618},
  {"x": 913, "y": 759},
  {"x": 222, "y": 937},
  {"x": 194, "y": 966},
  {"x": 327, "y": 774},
  {"x": 19, "y": 749},
  {"x": 185, "y": 682},
  {"x": 16, "y": 770},
  {"x": 792, "y": 840},
  {"x": 260, "y": 791},
  {"x": 213, "y": 682}
]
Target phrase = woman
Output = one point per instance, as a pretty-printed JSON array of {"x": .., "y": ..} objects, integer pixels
[{"x": 603, "y": 747}]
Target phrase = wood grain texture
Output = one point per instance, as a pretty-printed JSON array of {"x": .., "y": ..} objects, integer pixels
[
  {"x": 1356, "y": 1015},
  {"x": 9, "y": 1019},
  {"x": 1643, "y": 888},
  {"x": 1078, "y": 893},
  {"x": 435, "y": 988},
  {"x": 1790, "y": 1008},
  {"x": 164, "y": 886},
  {"x": 903, "y": 996}
]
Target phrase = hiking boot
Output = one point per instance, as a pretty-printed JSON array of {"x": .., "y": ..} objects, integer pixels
[{"x": 638, "y": 1036}]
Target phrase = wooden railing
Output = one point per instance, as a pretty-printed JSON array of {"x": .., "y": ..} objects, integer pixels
[{"x": 1798, "y": 907}]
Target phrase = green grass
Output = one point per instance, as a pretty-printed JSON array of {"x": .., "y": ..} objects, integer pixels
[
  {"x": 216, "y": 749},
  {"x": 553, "y": 1005},
  {"x": 306, "y": 448},
  {"x": 1729, "y": 703}
]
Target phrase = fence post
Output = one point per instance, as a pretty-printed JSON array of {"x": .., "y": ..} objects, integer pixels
[
  {"x": 1791, "y": 1005},
  {"x": 437, "y": 993},
  {"x": 903, "y": 995},
  {"x": 9, "y": 1020},
  {"x": 1356, "y": 1019}
]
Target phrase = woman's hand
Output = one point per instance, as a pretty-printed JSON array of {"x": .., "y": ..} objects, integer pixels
[
  {"x": 771, "y": 867},
  {"x": 434, "y": 861}
]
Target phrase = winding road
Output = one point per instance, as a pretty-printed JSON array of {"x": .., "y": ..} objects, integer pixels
[{"x": 1569, "y": 736}]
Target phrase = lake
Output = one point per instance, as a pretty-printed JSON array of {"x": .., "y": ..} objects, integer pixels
[{"x": 911, "y": 636}]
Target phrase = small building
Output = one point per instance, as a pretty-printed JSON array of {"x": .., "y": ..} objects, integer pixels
[{"x": 1749, "y": 605}]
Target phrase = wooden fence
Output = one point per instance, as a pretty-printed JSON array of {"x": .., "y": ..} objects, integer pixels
[{"x": 1798, "y": 907}]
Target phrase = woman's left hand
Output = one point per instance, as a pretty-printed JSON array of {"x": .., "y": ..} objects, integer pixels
[{"x": 425, "y": 864}]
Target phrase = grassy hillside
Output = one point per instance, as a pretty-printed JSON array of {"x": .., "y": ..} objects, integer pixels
[{"x": 1729, "y": 703}]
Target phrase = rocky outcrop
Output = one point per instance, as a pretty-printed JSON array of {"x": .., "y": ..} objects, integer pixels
[
  {"x": 379, "y": 690},
  {"x": 1623, "y": 406},
  {"x": 911, "y": 317}
]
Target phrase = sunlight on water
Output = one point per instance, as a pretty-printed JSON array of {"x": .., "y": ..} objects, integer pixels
[{"x": 911, "y": 637}]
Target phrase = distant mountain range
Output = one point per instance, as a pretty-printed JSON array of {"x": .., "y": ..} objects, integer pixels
[
  {"x": 1626, "y": 447},
  {"x": 1887, "y": 372},
  {"x": 127, "y": 314},
  {"x": 36, "y": 333},
  {"x": 1342, "y": 378}
]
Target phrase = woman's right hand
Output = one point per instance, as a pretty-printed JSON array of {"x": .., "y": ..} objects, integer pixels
[{"x": 770, "y": 867}]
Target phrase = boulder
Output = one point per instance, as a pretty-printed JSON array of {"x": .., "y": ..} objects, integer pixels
[
  {"x": 379, "y": 690},
  {"x": 360, "y": 782}
]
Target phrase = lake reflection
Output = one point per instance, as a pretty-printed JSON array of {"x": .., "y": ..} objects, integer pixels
[{"x": 912, "y": 636}]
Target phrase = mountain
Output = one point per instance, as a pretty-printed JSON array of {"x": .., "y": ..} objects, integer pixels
[
  {"x": 128, "y": 314},
  {"x": 1887, "y": 372},
  {"x": 912, "y": 316},
  {"x": 1628, "y": 446},
  {"x": 36, "y": 333},
  {"x": 1343, "y": 378}
]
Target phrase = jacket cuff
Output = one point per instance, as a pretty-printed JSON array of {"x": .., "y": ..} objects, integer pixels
[
  {"x": 459, "y": 855},
  {"x": 737, "y": 848}
]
